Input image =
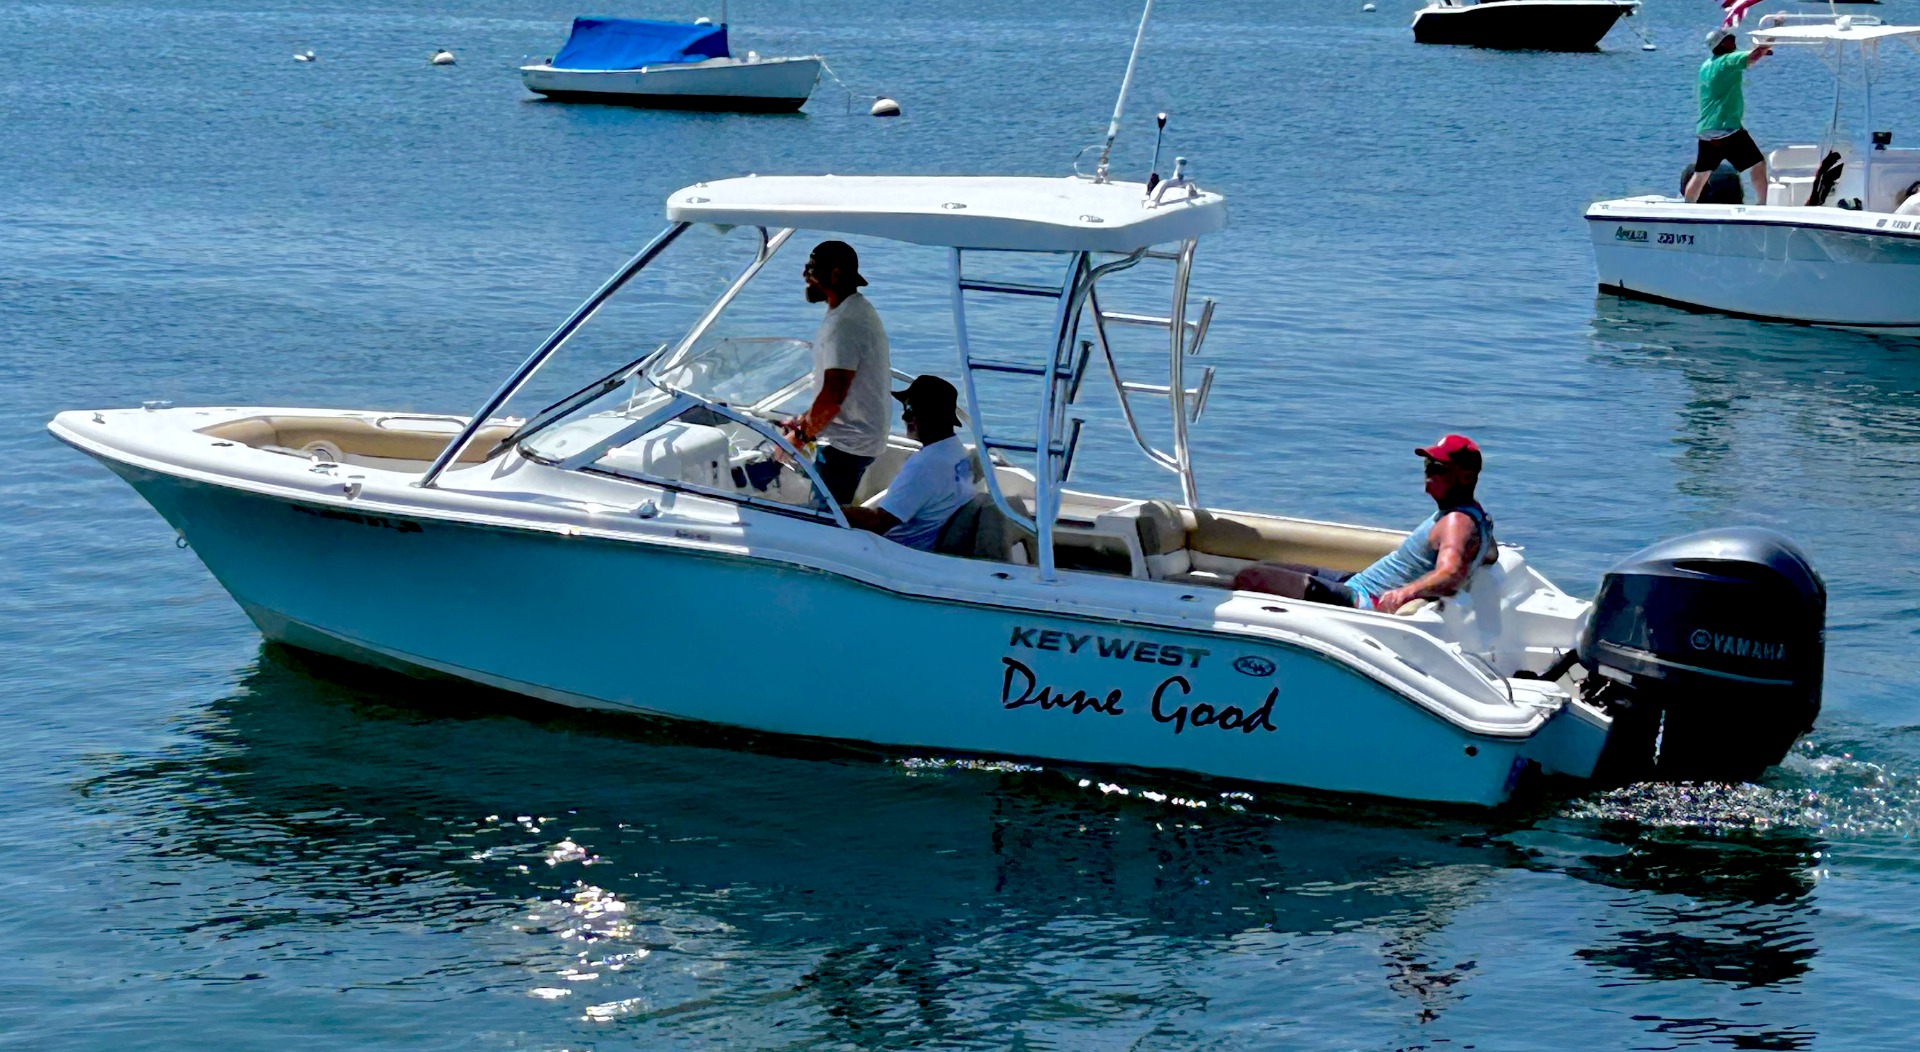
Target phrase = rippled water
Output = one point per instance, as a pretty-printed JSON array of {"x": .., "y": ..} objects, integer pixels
[{"x": 210, "y": 842}]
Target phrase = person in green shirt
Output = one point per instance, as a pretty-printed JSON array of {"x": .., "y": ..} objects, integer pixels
[{"x": 1722, "y": 109}]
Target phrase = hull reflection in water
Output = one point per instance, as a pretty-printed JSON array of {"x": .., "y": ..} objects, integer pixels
[{"x": 686, "y": 882}]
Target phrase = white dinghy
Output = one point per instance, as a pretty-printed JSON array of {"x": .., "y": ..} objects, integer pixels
[
  {"x": 1831, "y": 244},
  {"x": 627, "y": 516},
  {"x": 669, "y": 65}
]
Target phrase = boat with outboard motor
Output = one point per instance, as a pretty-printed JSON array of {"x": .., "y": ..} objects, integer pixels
[
  {"x": 1520, "y": 25},
  {"x": 669, "y": 65},
  {"x": 640, "y": 524},
  {"x": 1107, "y": 634},
  {"x": 1830, "y": 245}
]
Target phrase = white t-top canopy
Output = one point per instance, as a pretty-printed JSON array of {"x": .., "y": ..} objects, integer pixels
[
  {"x": 1832, "y": 33},
  {"x": 988, "y": 212}
]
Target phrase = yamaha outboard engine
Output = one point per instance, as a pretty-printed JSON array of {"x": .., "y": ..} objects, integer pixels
[{"x": 1707, "y": 650}]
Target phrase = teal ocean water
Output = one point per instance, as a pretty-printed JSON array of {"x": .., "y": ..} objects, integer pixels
[{"x": 212, "y": 843}]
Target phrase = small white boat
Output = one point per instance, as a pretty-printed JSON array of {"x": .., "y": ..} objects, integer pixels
[
  {"x": 1520, "y": 25},
  {"x": 614, "y": 551},
  {"x": 1828, "y": 246},
  {"x": 669, "y": 65}
]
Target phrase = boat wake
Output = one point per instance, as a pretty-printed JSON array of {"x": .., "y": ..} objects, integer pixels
[{"x": 1833, "y": 794}]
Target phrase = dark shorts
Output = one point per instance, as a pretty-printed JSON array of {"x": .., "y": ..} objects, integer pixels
[
  {"x": 1737, "y": 149},
  {"x": 841, "y": 472},
  {"x": 1294, "y": 581}
]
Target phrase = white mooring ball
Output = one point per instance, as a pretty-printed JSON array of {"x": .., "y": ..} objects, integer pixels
[
  {"x": 884, "y": 107},
  {"x": 304, "y": 56},
  {"x": 442, "y": 57}
]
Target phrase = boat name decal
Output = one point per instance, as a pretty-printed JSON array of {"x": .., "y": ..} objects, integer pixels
[
  {"x": 1735, "y": 646},
  {"x": 403, "y": 525},
  {"x": 1108, "y": 647},
  {"x": 1020, "y": 688},
  {"x": 1625, "y": 234}
]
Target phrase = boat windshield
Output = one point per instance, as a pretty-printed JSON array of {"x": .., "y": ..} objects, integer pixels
[
  {"x": 762, "y": 376},
  {"x": 752, "y": 372}
]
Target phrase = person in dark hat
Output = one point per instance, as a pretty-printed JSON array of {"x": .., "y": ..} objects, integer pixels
[
  {"x": 852, "y": 370},
  {"x": 1434, "y": 561},
  {"x": 1723, "y": 109},
  {"x": 935, "y": 481}
]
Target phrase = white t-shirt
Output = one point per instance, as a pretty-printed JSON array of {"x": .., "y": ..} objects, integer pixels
[
  {"x": 928, "y": 489},
  {"x": 851, "y": 337}
]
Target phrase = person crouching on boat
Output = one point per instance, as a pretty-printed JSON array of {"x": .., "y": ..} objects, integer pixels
[
  {"x": 1723, "y": 108},
  {"x": 1433, "y": 562},
  {"x": 934, "y": 482},
  {"x": 852, "y": 371}
]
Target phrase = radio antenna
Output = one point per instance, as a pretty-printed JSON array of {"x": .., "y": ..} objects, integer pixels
[{"x": 1120, "y": 104}]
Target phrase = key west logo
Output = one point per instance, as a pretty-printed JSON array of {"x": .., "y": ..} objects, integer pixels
[
  {"x": 1735, "y": 646},
  {"x": 1112, "y": 647}
]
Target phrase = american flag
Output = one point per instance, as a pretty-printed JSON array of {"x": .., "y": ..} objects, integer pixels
[{"x": 1736, "y": 10}]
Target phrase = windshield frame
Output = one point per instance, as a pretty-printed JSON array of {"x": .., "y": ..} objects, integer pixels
[{"x": 564, "y": 407}]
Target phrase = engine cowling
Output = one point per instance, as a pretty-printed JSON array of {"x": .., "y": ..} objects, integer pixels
[{"x": 1711, "y": 651}]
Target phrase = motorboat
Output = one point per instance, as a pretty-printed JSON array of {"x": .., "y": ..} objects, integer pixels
[
  {"x": 1828, "y": 247},
  {"x": 669, "y": 65},
  {"x": 1520, "y": 25},
  {"x": 634, "y": 544}
]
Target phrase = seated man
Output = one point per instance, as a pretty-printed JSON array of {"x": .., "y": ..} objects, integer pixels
[
  {"x": 934, "y": 482},
  {"x": 1909, "y": 201},
  {"x": 1434, "y": 561}
]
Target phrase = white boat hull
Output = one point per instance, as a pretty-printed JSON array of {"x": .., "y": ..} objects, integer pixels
[
  {"x": 1813, "y": 265},
  {"x": 698, "y": 628},
  {"x": 770, "y": 85}
]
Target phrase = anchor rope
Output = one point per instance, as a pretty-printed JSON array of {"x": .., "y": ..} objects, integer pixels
[{"x": 849, "y": 92}]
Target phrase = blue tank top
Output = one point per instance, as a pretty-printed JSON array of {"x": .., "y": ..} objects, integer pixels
[{"x": 1416, "y": 556}]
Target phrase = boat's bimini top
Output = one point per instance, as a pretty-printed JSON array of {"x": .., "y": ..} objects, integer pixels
[
  {"x": 1842, "y": 31},
  {"x": 1012, "y": 213}
]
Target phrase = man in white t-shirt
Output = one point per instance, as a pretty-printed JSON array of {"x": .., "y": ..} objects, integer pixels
[
  {"x": 852, "y": 372},
  {"x": 934, "y": 482}
]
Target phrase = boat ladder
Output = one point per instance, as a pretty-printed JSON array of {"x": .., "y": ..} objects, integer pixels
[{"x": 1056, "y": 437}]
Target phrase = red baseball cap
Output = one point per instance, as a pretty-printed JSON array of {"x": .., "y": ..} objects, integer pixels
[{"x": 1454, "y": 451}]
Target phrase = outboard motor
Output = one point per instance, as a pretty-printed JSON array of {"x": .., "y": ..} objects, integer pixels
[{"x": 1708, "y": 651}]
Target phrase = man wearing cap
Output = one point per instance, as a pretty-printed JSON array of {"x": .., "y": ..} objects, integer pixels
[
  {"x": 1434, "y": 561},
  {"x": 934, "y": 482},
  {"x": 1723, "y": 107},
  {"x": 852, "y": 370}
]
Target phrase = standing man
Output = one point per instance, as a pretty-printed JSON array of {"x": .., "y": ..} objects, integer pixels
[
  {"x": 1433, "y": 562},
  {"x": 1723, "y": 107},
  {"x": 852, "y": 372}
]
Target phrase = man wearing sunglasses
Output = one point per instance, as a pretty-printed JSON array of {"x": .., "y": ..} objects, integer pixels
[
  {"x": 934, "y": 482},
  {"x": 852, "y": 371},
  {"x": 1434, "y": 561}
]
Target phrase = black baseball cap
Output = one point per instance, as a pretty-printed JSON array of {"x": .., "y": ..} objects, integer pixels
[
  {"x": 930, "y": 396},
  {"x": 832, "y": 255}
]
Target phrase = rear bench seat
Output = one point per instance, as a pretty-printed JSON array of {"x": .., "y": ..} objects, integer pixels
[{"x": 1208, "y": 547}]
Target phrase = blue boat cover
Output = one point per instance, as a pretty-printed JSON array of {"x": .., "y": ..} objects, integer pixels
[{"x": 629, "y": 43}]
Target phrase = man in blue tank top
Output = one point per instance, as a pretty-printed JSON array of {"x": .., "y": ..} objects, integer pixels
[{"x": 1434, "y": 561}]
